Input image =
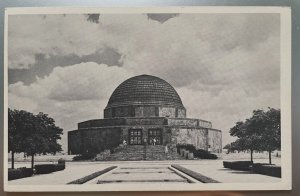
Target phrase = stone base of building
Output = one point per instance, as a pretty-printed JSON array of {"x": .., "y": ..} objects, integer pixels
[{"x": 94, "y": 136}]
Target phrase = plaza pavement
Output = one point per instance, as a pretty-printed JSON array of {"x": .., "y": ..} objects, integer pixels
[{"x": 144, "y": 172}]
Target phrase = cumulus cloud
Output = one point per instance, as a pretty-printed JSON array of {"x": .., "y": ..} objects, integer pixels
[
  {"x": 223, "y": 65},
  {"x": 85, "y": 81},
  {"x": 52, "y": 35},
  {"x": 69, "y": 94}
]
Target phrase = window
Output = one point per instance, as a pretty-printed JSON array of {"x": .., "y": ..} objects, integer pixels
[{"x": 135, "y": 136}]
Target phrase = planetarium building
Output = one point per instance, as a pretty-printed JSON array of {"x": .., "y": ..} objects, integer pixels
[{"x": 141, "y": 109}]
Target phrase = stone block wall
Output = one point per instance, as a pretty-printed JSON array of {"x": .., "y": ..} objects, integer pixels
[
  {"x": 146, "y": 121},
  {"x": 197, "y": 137},
  {"x": 215, "y": 140},
  {"x": 181, "y": 113},
  {"x": 203, "y": 123},
  {"x": 144, "y": 128},
  {"x": 122, "y": 111},
  {"x": 144, "y": 111},
  {"x": 167, "y": 112},
  {"x": 93, "y": 140},
  {"x": 102, "y": 123},
  {"x": 74, "y": 142},
  {"x": 183, "y": 122},
  {"x": 189, "y": 122}
]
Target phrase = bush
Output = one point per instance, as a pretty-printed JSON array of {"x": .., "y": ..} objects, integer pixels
[
  {"x": 238, "y": 165},
  {"x": 48, "y": 168},
  {"x": 61, "y": 161},
  {"x": 19, "y": 173},
  {"x": 203, "y": 154},
  {"x": 188, "y": 147},
  {"x": 83, "y": 157},
  {"x": 266, "y": 169}
]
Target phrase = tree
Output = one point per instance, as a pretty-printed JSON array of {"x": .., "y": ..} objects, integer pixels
[
  {"x": 43, "y": 137},
  {"x": 247, "y": 137},
  {"x": 13, "y": 136},
  {"x": 18, "y": 124},
  {"x": 37, "y": 134},
  {"x": 261, "y": 132},
  {"x": 270, "y": 130}
]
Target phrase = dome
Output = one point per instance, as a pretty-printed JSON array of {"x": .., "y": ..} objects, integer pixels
[{"x": 144, "y": 90}]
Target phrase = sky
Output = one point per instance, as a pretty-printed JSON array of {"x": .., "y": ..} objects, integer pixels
[{"x": 223, "y": 66}]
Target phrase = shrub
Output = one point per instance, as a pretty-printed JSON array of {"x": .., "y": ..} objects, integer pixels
[
  {"x": 61, "y": 161},
  {"x": 266, "y": 169},
  {"x": 48, "y": 168},
  {"x": 44, "y": 168},
  {"x": 19, "y": 173},
  {"x": 238, "y": 165},
  {"x": 60, "y": 166},
  {"x": 188, "y": 147},
  {"x": 203, "y": 154},
  {"x": 83, "y": 157}
]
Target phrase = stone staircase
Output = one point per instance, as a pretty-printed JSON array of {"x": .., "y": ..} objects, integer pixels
[{"x": 137, "y": 152}]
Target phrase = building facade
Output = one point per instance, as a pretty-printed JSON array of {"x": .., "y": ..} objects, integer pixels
[{"x": 141, "y": 109}]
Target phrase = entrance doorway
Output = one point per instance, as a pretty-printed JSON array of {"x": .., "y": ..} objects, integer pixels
[
  {"x": 135, "y": 137},
  {"x": 155, "y": 134}
]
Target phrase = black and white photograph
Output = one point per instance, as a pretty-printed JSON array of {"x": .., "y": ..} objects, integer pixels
[{"x": 160, "y": 98}]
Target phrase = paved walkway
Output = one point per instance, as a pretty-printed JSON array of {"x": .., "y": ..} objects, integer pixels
[
  {"x": 143, "y": 171},
  {"x": 141, "y": 174}
]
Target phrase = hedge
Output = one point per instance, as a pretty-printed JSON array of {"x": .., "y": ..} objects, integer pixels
[
  {"x": 48, "y": 168},
  {"x": 83, "y": 157},
  {"x": 238, "y": 165},
  {"x": 189, "y": 147},
  {"x": 19, "y": 173},
  {"x": 203, "y": 154},
  {"x": 266, "y": 169}
]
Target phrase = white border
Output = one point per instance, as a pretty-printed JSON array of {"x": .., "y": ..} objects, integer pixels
[{"x": 285, "y": 75}]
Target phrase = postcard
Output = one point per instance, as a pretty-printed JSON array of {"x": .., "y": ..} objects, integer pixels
[{"x": 147, "y": 99}]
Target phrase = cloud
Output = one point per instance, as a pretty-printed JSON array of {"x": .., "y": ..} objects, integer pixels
[
  {"x": 69, "y": 94},
  {"x": 44, "y": 64},
  {"x": 52, "y": 35},
  {"x": 222, "y": 65},
  {"x": 85, "y": 81}
]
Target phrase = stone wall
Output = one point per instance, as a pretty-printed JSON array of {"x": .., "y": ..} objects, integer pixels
[
  {"x": 145, "y": 130},
  {"x": 144, "y": 111},
  {"x": 167, "y": 112},
  {"x": 97, "y": 135},
  {"x": 74, "y": 142},
  {"x": 195, "y": 136},
  {"x": 181, "y": 113},
  {"x": 93, "y": 140},
  {"x": 189, "y": 122},
  {"x": 146, "y": 121},
  {"x": 102, "y": 123},
  {"x": 122, "y": 122},
  {"x": 215, "y": 140}
]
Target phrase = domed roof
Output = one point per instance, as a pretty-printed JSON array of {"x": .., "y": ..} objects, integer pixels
[{"x": 144, "y": 90}]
